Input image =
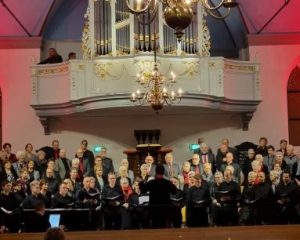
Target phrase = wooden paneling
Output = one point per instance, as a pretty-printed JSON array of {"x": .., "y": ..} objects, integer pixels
[{"x": 286, "y": 232}]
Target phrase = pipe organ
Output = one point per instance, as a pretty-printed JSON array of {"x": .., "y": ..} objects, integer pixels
[{"x": 110, "y": 30}]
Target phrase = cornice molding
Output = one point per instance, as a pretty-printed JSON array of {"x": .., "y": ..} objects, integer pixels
[
  {"x": 20, "y": 42},
  {"x": 273, "y": 39}
]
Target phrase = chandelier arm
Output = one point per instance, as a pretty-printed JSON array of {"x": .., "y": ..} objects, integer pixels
[
  {"x": 144, "y": 9},
  {"x": 153, "y": 15},
  {"x": 209, "y": 6},
  {"x": 167, "y": 2},
  {"x": 218, "y": 16}
]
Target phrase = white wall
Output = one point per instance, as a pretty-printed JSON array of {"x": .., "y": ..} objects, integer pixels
[{"x": 20, "y": 124}]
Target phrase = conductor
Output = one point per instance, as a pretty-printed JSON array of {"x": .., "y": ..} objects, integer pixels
[{"x": 159, "y": 190}]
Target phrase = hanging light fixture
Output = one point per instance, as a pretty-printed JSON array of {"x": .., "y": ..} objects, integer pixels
[
  {"x": 157, "y": 88},
  {"x": 178, "y": 14}
]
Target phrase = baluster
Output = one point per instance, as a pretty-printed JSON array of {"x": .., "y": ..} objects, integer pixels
[
  {"x": 149, "y": 32},
  {"x": 144, "y": 34}
]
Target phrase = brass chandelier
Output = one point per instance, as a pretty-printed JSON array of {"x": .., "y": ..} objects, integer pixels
[
  {"x": 178, "y": 14},
  {"x": 157, "y": 88}
]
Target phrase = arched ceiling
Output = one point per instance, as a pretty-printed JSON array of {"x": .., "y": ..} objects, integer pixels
[{"x": 63, "y": 19}]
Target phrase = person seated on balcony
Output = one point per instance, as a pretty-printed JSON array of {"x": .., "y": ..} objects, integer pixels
[
  {"x": 53, "y": 57},
  {"x": 71, "y": 55}
]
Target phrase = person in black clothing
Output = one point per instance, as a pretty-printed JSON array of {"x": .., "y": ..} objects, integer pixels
[
  {"x": 178, "y": 202},
  {"x": 214, "y": 189},
  {"x": 139, "y": 206},
  {"x": 35, "y": 197},
  {"x": 38, "y": 221},
  {"x": 9, "y": 206},
  {"x": 125, "y": 209},
  {"x": 287, "y": 199},
  {"x": 51, "y": 180},
  {"x": 248, "y": 200},
  {"x": 112, "y": 199},
  {"x": 107, "y": 162},
  {"x": 53, "y": 57},
  {"x": 88, "y": 197},
  {"x": 61, "y": 198},
  {"x": 264, "y": 200},
  {"x": 227, "y": 200},
  {"x": 87, "y": 154},
  {"x": 247, "y": 167},
  {"x": 198, "y": 200},
  {"x": 262, "y": 147},
  {"x": 159, "y": 198}
]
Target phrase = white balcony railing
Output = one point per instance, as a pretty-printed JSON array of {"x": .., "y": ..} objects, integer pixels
[{"x": 82, "y": 85}]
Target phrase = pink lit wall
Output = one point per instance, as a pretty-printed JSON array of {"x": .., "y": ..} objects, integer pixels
[{"x": 277, "y": 62}]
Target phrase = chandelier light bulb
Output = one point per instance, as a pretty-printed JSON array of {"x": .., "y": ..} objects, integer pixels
[
  {"x": 179, "y": 92},
  {"x": 172, "y": 95}
]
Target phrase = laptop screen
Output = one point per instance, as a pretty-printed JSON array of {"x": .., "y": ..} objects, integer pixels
[{"x": 54, "y": 220}]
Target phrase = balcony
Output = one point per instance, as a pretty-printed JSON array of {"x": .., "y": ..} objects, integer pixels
[{"x": 103, "y": 86}]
